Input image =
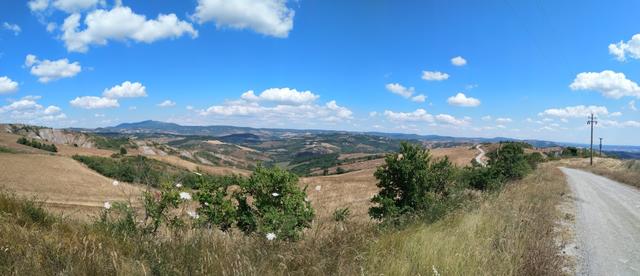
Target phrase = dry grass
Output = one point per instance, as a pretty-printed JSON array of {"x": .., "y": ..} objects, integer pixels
[
  {"x": 505, "y": 234},
  {"x": 353, "y": 190},
  {"x": 510, "y": 234},
  {"x": 624, "y": 171},
  {"x": 64, "y": 184},
  {"x": 40, "y": 244}
]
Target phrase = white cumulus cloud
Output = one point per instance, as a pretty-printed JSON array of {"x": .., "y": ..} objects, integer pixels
[
  {"x": 448, "y": 119},
  {"x": 609, "y": 83},
  {"x": 28, "y": 110},
  {"x": 7, "y": 85},
  {"x": 71, "y": 6},
  {"x": 38, "y": 5},
  {"x": 434, "y": 76},
  {"x": 415, "y": 116},
  {"x": 419, "y": 98},
  {"x": 458, "y": 61},
  {"x": 126, "y": 90},
  {"x": 47, "y": 70},
  {"x": 121, "y": 23},
  {"x": 92, "y": 102},
  {"x": 575, "y": 111},
  {"x": 399, "y": 89},
  {"x": 623, "y": 49},
  {"x": 167, "y": 103},
  {"x": 268, "y": 17},
  {"x": 461, "y": 99},
  {"x": 281, "y": 95}
]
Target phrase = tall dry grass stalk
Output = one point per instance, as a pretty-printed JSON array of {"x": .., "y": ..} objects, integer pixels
[{"x": 509, "y": 234}]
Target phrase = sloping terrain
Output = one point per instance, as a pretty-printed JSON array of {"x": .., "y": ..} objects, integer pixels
[{"x": 64, "y": 184}]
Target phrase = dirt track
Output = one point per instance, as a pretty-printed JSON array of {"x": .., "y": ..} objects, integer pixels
[{"x": 607, "y": 224}]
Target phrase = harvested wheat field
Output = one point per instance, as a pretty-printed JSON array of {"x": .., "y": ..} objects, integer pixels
[
  {"x": 61, "y": 183},
  {"x": 352, "y": 190}
]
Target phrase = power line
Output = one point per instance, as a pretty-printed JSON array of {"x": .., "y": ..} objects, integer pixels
[{"x": 592, "y": 121}]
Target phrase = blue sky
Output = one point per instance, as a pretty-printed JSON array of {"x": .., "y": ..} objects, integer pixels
[{"x": 525, "y": 69}]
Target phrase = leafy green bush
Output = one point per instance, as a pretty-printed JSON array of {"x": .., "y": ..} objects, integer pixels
[
  {"x": 509, "y": 161},
  {"x": 37, "y": 144},
  {"x": 411, "y": 183},
  {"x": 216, "y": 203},
  {"x": 278, "y": 205},
  {"x": 482, "y": 178},
  {"x": 534, "y": 159}
]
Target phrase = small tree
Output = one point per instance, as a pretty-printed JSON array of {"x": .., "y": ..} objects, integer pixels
[
  {"x": 277, "y": 204},
  {"x": 411, "y": 182},
  {"x": 123, "y": 151},
  {"x": 509, "y": 161}
]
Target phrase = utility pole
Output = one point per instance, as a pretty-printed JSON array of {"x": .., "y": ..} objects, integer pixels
[
  {"x": 592, "y": 121},
  {"x": 600, "y": 147}
]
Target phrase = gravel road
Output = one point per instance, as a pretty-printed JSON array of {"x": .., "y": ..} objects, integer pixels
[
  {"x": 480, "y": 156},
  {"x": 607, "y": 224}
]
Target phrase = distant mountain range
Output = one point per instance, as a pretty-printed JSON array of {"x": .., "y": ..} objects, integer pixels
[{"x": 157, "y": 127}]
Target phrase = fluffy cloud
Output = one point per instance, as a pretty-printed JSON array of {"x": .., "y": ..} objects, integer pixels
[
  {"x": 47, "y": 70},
  {"x": 126, "y": 90},
  {"x": 281, "y": 95},
  {"x": 419, "y": 98},
  {"x": 92, "y": 102},
  {"x": 632, "y": 105},
  {"x": 7, "y": 85},
  {"x": 421, "y": 115},
  {"x": 623, "y": 49},
  {"x": 434, "y": 76},
  {"x": 27, "y": 110},
  {"x": 448, "y": 119},
  {"x": 461, "y": 99},
  {"x": 458, "y": 61},
  {"x": 405, "y": 92},
  {"x": 399, "y": 89},
  {"x": 12, "y": 27},
  {"x": 38, "y": 5},
  {"x": 284, "y": 105},
  {"x": 268, "y": 17},
  {"x": 415, "y": 116},
  {"x": 121, "y": 23},
  {"x": 609, "y": 83},
  {"x": 503, "y": 120},
  {"x": 167, "y": 103},
  {"x": 575, "y": 111},
  {"x": 616, "y": 114},
  {"x": 613, "y": 123},
  {"x": 71, "y": 6}
]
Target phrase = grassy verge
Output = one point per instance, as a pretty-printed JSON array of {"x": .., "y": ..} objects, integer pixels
[
  {"x": 510, "y": 233},
  {"x": 501, "y": 234},
  {"x": 624, "y": 171}
]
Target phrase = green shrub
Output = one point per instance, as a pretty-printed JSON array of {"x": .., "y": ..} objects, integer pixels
[
  {"x": 216, "y": 205},
  {"x": 123, "y": 151},
  {"x": 37, "y": 144},
  {"x": 341, "y": 214},
  {"x": 482, "y": 178},
  {"x": 533, "y": 159},
  {"x": 411, "y": 183},
  {"x": 278, "y": 205},
  {"x": 509, "y": 161}
]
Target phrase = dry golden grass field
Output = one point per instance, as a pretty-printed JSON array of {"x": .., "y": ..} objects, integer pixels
[
  {"x": 68, "y": 186},
  {"x": 62, "y": 183}
]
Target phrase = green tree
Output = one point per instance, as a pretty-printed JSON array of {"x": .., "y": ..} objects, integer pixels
[
  {"x": 509, "y": 161},
  {"x": 123, "y": 151},
  {"x": 411, "y": 182}
]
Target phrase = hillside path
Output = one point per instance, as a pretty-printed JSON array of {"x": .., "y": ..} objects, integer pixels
[
  {"x": 480, "y": 156},
  {"x": 607, "y": 224}
]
